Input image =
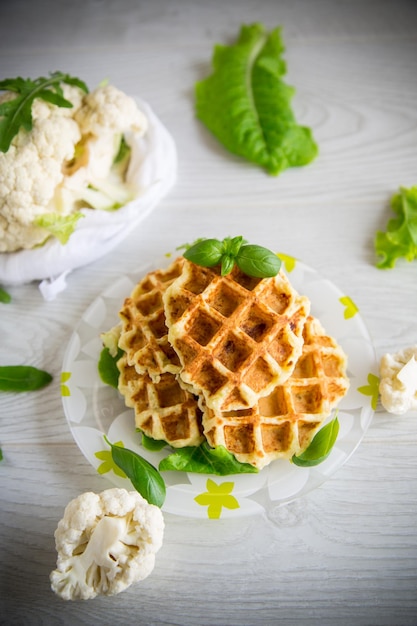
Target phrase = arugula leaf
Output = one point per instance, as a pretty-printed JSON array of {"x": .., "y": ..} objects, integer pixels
[
  {"x": 5, "y": 296},
  {"x": 247, "y": 106},
  {"x": 320, "y": 447},
  {"x": 17, "y": 113},
  {"x": 60, "y": 226},
  {"x": 253, "y": 260},
  {"x": 144, "y": 477},
  {"x": 400, "y": 238},
  {"x": 107, "y": 367},
  {"x": 22, "y": 378},
  {"x": 205, "y": 460}
]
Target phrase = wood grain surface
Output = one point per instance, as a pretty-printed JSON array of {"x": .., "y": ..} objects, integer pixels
[{"x": 345, "y": 554}]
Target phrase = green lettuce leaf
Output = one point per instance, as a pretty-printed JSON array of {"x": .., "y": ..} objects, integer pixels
[
  {"x": 60, "y": 226},
  {"x": 400, "y": 238},
  {"x": 205, "y": 460},
  {"x": 247, "y": 106}
]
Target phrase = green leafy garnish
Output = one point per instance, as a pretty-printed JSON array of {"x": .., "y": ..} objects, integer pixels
[
  {"x": 107, "y": 367},
  {"x": 154, "y": 445},
  {"x": 4, "y": 296},
  {"x": 60, "y": 226},
  {"x": 205, "y": 460},
  {"x": 400, "y": 238},
  {"x": 247, "y": 106},
  {"x": 144, "y": 477},
  {"x": 320, "y": 447},
  {"x": 252, "y": 260},
  {"x": 22, "y": 378},
  {"x": 17, "y": 113}
]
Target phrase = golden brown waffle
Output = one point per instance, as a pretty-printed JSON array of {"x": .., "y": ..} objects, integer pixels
[
  {"x": 284, "y": 423},
  {"x": 144, "y": 335},
  {"x": 163, "y": 410},
  {"x": 237, "y": 337}
]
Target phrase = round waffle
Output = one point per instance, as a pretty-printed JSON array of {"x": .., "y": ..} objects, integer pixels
[
  {"x": 144, "y": 335},
  {"x": 284, "y": 422},
  {"x": 163, "y": 410},
  {"x": 237, "y": 337}
]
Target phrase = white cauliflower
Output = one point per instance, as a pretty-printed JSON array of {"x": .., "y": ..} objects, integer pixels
[
  {"x": 67, "y": 161},
  {"x": 105, "y": 542},
  {"x": 398, "y": 381}
]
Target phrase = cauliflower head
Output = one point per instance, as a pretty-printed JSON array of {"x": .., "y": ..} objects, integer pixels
[
  {"x": 105, "y": 543},
  {"x": 72, "y": 158},
  {"x": 398, "y": 381}
]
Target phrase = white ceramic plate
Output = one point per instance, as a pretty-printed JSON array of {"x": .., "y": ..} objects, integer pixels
[{"x": 94, "y": 409}]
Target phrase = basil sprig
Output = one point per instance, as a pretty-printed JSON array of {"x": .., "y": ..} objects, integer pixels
[
  {"x": 144, "y": 477},
  {"x": 320, "y": 446},
  {"x": 22, "y": 378},
  {"x": 252, "y": 260}
]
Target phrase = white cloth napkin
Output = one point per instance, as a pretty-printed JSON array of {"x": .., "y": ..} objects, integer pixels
[{"x": 153, "y": 168}]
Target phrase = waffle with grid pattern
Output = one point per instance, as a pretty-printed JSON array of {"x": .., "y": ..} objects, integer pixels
[
  {"x": 163, "y": 410},
  {"x": 237, "y": 337},
  {"x": 144, "y": 335},
  {"x": 284, "y": 422}
]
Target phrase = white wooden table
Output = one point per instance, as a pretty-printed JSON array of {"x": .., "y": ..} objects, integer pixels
[{"x": 347, "y": 552}]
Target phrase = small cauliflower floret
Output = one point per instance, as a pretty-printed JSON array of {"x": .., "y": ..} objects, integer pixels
[
  {"x": 105, "y": 542},
  {"x": 398, "y": 381},
  {"x": 110, "y": 339},
  {"x": 109, "y": 109},
  {"x": 106, "y": 118}
]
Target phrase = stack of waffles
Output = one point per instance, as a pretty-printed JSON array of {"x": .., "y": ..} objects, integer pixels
[{"x": 234, "y": 360}]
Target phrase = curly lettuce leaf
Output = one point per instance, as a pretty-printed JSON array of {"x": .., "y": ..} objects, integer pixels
[
  {"x": 60, "y": 226},
  {"x": 400, "y": 238},
  {"x": 247, "y": 106}
]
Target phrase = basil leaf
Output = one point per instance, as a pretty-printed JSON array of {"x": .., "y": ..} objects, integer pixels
[
  {"x": 22, "y": 378},
  {"x": 228, "y": 263},
  {"x": 4, "y": 296},
  {"x": 206, "y": 252},
  {"x": 232, "y": 245},
  {"x": 205, "y": 460},
  {"x": 320, "y": 447},
  {"x": 154, "y": 445},
  {"x": 258, "y": 261},
  {"x": 144, "y": 477},
  {"x": 107, "y": 367}
]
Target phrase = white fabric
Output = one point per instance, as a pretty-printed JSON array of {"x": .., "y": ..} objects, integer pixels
[{"x": 153, "y": 167}]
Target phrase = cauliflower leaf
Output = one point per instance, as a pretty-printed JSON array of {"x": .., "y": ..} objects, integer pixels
[
  {"x": 400, "y": 238},
  {"x": 61, "y": 226},
  {"x": 17, "y": 113},
  {"x": 247, "y": 106}
]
